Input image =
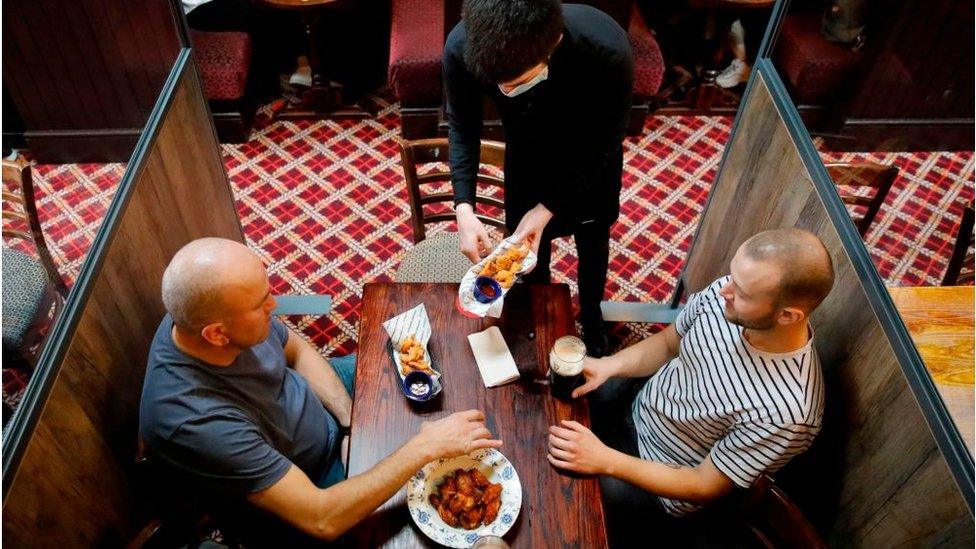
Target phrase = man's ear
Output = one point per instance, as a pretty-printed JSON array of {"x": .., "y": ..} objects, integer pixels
[
  {"x": 214, "y": 334},
  {"x": 791, "y": 315}
]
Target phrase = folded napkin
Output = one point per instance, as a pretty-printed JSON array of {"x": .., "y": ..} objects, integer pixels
[{"x": 494, "y": 360}]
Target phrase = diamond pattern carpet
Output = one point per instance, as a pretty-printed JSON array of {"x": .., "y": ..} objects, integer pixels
[{"x": 324, "y": 204}]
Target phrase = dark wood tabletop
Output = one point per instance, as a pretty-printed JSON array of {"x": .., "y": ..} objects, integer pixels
[{"x": 558, "y": 510}]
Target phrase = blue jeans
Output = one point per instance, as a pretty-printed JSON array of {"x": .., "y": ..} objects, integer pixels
[{"x": 345, "y": 368}]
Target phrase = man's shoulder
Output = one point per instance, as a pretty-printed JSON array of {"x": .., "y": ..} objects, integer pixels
[
  {"x": 454, "y": 44},
  {"x": 595, "y": 27}
]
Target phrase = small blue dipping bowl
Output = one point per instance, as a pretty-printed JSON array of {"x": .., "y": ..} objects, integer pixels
[
  {"x": 418, "y": 386},
  {"x": 486, "y": 289}
]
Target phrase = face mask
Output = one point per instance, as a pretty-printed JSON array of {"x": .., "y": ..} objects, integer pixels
[{"x": 526, "y": 86}]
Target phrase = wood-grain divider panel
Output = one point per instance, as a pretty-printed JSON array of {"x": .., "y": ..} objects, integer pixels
[
  {"x": 75, "y": 485},
  {"x": 875, "y": 477}
]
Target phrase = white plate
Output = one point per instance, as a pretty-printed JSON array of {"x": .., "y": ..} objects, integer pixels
[{"x": 493, "y": 465}]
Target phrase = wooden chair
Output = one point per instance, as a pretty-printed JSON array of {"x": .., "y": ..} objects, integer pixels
[
  {"x": 864, "y": 174},
  {"x": 960, "y": 270},
  {"x": 773, "y": 519},
  {"x": 32, "y": 286},
  {"x": 179, "y": 516},
  {"x": 439, "y": 258}
]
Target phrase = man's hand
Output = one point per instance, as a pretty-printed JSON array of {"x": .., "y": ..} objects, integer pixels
[
  {"x": 533, "y": 223},
  {"x": 475, "y": 242},
  {"x": 596, "y": 371},
  {"x": 575, "y": 448},
  {"x": 455, "y": 435}
]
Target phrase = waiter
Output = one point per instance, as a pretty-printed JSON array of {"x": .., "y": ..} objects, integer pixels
[{"x": 561, "y": 80}]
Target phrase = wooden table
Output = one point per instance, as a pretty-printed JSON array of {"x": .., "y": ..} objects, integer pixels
[
  {"x": 940, "y": 321},
  {"x": 558, "y": 510}
]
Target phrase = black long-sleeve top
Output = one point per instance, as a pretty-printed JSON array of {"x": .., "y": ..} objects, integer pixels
[{"x": 563, "y": 136}]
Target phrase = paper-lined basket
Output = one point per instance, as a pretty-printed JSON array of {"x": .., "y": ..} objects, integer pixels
[
  {"x": 466, "y": 299},
  {"x": 411, "y": 323}
]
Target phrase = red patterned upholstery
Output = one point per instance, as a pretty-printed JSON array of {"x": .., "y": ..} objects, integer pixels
[
  {"x": 416, "y": 43},
  {"x": 648, "y": 62},
  {"x": 223, "y": 59},
  {"x": 814, "y": 68}
]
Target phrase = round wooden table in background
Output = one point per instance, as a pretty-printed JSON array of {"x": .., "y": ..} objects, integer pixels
[{"x": 324, "y": 98}]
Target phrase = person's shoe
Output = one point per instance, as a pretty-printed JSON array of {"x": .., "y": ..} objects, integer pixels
[
  {"x": 301, "y": 77},
  {"x": 595, "y": 339},
  {"x": 736, "y": 73}
]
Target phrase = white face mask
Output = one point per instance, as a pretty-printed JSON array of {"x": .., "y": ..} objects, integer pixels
[{"x": 526, "y": 86}]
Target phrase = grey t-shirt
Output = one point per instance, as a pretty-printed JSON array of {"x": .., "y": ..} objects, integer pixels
[{"x": 237, "y": 429}]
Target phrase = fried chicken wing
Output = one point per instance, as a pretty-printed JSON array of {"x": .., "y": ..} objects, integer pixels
[
  {"x": 491, "y": 510},
  {"x": 479, "y": 479},
  {"x": 467, "y": 498}
]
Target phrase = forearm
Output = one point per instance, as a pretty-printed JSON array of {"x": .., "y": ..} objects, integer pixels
[
  {"x": 464, "y": 155},
  {"x": 667, "y": 480},
  {"x": 324, "y": 381},
  {"x": 646, "y": 357},
  {"x": 342, "y": 506}
]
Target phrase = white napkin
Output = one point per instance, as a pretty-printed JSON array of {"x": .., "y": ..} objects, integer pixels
[
  {"x": 494, "y": 360},
  {"x": 413, "y": 322}
]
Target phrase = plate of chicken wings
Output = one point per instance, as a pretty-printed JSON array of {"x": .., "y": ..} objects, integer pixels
[{"x": 454, "y": 501}]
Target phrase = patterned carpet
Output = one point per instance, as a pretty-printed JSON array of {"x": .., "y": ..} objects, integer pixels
[{"x": 325, "y": 205}]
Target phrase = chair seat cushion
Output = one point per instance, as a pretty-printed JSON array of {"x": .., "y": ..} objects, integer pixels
[
  {"x": 417, "y": 42},
  {"x": 24, "y": 285},
  {"x": 814, "y": 69},
  {"x": 437, "y": 258},
  {"x": 223, "y": 59}
]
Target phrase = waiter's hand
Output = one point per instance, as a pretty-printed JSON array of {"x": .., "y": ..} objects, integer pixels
[
  {"x": 533, "y": 223},
  {"x": 475, "y": 242}
]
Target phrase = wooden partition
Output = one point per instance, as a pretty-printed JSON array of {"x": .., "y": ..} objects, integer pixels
[
  {"x": 885, "y": 470},
  {"x": 84, "y": 75},
  {"x": 68, "y": 463}
]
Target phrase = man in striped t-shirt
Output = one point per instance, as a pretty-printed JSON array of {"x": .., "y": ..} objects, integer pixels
[{"x": 735, "y": 388}]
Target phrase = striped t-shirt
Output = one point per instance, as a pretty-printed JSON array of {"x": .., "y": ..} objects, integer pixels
[{"x": 749, "y": 409}]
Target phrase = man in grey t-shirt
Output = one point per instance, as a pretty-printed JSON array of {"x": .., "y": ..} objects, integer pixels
[{"x": 246, "y": 410}]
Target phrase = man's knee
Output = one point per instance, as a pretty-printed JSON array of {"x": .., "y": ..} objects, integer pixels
[{"x": 615, "y": 392}]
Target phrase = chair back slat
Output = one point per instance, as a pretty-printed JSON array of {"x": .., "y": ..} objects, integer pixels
[
  {"x": 414, "y": 154},
  {"x": 12, "y": 214},
  {"x": 10, "y": 198},
  {"x": 433, "y": 177},
  {"x": 491, "y": 181},
  {"x": 13, "y": 233},
  {"x": 864, "y": 174},
  {"x": 437, "y": 198}
]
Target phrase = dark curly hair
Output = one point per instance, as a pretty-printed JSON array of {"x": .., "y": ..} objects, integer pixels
[{"x": 505, "y": 38}]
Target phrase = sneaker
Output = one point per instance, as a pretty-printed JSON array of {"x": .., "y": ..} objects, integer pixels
[
  {"x": 736, "y": 73},
  {"x": 301, "y": 77}
]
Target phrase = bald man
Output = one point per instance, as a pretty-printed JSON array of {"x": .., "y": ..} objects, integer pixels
[
  {"x": 241, "y": 409},
  {"x": 731, "y": 390}
]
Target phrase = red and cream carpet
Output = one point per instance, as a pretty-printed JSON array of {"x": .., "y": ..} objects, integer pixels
[{"x": 324, "y": 204}]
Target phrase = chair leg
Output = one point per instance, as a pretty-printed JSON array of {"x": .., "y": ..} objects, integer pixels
[{"x": 35, "y": 337}]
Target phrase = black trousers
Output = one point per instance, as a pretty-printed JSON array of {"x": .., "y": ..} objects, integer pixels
[
  {"x": 636, "y": 517},
  {"x": 593, "y": 250}
]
